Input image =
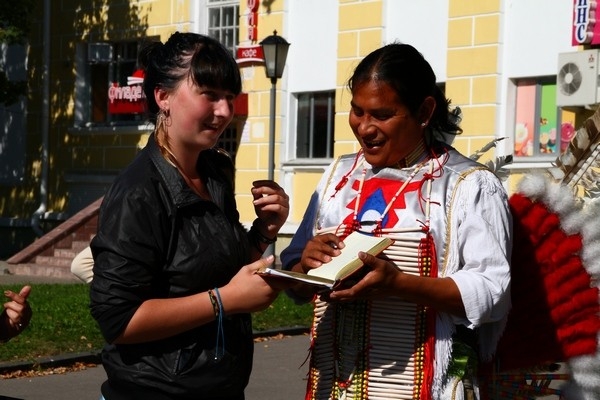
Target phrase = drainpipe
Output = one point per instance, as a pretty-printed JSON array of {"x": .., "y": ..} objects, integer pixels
[{"x": 36, "y": 217}]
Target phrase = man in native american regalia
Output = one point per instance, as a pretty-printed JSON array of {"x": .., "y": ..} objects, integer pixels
[{"x": 436, "y": 301}]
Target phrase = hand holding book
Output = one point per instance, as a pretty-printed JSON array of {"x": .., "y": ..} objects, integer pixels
[{"x": 340, "y": 268}]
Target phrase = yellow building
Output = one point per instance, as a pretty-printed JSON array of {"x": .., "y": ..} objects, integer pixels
[{"x": 63, "y": 144}]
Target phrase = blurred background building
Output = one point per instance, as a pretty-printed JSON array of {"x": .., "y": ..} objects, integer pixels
[{"x": 526, "y": 71}]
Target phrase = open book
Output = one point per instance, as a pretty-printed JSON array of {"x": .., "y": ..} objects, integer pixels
[{"x": 340, "y": 267}]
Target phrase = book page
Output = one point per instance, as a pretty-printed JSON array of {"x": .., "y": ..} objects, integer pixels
[
  {"x": 297, "y": 276},
  {"x": 348, "y": 262}
]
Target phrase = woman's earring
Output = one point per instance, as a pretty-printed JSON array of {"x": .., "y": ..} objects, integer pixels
[
  {"x": 163, "y": 120},
  {"x": 423, "y": 124}
]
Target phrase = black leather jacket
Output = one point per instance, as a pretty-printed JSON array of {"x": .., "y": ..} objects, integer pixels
[{"x": 157, "y": 239}]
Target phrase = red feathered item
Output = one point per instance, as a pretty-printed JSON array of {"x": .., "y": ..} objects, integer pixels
[{"x": 555, "y": 309}]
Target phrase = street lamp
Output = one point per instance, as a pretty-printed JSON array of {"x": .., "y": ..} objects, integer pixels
[{"x": 275, "y": 49}]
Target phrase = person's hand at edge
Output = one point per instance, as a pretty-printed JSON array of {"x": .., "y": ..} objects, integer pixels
[{"x": 17, "y": 313}]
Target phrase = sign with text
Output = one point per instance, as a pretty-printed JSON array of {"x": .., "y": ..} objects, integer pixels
[
  {"x": 248, "y": 54},
  {"x": 128, "y": 99},
  {"x": 252, "y": 20},
  {"x": 585, "y": 28}
]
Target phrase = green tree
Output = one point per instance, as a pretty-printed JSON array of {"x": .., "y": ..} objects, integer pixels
[{"x": 15, "y": 22}]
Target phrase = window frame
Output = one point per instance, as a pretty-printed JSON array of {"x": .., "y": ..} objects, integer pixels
[
  {"x": 85, "y": 65},
  {"x": 224, "y": 30},
  {"x": 330, "y": 127}
]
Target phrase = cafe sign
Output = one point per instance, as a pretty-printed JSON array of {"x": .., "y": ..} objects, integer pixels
[
  {"x": 249, "y": 54},
  {"x": 252, "y": 53},
  {"x": 129, "y": 99}
]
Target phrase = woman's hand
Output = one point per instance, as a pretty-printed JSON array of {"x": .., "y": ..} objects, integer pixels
[
  {"x": 247, "y": 291},
  {"x": 17, "y": 313},
  {"x": 161, "y": 318},
  {"x": 271, "y": 205}
]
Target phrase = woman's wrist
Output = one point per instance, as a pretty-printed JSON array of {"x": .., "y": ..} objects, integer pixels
[
  {"x": 214, "y": 303},
  {"x": 260, "y": 237},
  {"x": 265, "y": 235},
  {"x": 259, "y": 240}
]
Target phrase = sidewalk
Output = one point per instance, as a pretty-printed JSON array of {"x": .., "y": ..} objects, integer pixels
[
  {"x": 279, "y": 372},
  {"x": 9, "y": 279}
]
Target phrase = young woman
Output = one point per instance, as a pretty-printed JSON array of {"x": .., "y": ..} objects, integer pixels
[
  {"x": 173, "y": 279},
  {"x": 403, "y": 330}
]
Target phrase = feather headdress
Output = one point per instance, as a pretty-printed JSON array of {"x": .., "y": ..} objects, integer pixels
[
  {"x": 579, "y": 166},
  {"x": 555, "y": 270},
  {"x": 497, "y": 165}
]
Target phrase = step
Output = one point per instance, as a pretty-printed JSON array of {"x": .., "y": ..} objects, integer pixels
[
  {"x": 65, "y": 253},
  {"x": 54, "y": 261},
  {"x": 36, "y": 270},
  {"x": 79, "y": 245}
]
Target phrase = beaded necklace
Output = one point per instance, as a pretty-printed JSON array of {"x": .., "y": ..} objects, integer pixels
[{"x": 355, "y": 225}]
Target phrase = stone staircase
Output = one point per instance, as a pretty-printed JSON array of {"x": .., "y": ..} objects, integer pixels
[{"x": 52, "y": 254}]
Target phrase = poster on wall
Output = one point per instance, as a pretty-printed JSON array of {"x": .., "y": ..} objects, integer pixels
[{"x": 541, "y": 129}]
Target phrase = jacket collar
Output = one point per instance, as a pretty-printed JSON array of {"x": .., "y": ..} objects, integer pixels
[{"x": 180, "y": 192}]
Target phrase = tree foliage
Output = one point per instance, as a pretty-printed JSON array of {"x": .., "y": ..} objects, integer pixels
[
  {"x": 15, "y": 24},
  {"x": 15, "y": 20}
]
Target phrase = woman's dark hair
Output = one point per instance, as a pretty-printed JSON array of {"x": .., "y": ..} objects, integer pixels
[
  {"x": 203, "y": 59},
  {"x": 405, "y": 70}
]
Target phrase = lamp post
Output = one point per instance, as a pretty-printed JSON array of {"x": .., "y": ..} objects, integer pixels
[{"x": 275, "y": 49}]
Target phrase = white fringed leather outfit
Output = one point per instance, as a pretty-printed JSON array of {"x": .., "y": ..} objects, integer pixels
[{"x": 449, "y": 218}]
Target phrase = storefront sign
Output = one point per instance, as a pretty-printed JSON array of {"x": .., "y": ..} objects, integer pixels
[
  {"x": 252, "y": 53},
  {"x": 249, "y": 54},
  {"x": 252, "y": 20},
  {"x": 128, "y": 99},
  {"x": 585, "y": 28}
]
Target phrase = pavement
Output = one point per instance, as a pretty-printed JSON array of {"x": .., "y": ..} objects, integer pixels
[{"x": 279, "y": 370}]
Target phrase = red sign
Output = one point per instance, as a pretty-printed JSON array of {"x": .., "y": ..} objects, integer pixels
[
  {"x": 585, "y": 28},
  {"x": 240, "y": 105},
  {"x": 252, "y": 20},
  {"x": 249, "y": 54},
  {"x": 128, "y": 99}
]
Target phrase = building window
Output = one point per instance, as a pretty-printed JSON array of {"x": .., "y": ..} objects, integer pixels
[
  {"x": 541, "y": 128},
  {"x": 108, "y": 87},
  {"x": 223, "y": 17},
  {"x": 315, "y": 126},
  {"x": 229, "y": 140}
]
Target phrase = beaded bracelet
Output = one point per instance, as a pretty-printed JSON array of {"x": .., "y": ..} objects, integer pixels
[
  {"x": 220, "y": 333},
  {"x": 221, "y": 310},
  {"x": 260, "y": 237},
  {"x": 214, "y": 302}
]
